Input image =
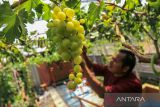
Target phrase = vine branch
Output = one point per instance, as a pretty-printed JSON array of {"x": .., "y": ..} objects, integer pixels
[
  {"x": 155, "y": 41},
  {"x": 18, "y": 3},
  {"x": 112, "y": 4},
  {"x": 123, "y": 8},
  {"x": 145, "y": 30},
  {"x": 141, "y": 57},
  {"x": 117, "y": 29}
]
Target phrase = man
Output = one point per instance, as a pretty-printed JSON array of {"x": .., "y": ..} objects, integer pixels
[{"x": 118, "y": 76}]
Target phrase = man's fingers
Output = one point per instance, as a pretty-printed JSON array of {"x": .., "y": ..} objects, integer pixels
[{"x": 84, "y": 49}]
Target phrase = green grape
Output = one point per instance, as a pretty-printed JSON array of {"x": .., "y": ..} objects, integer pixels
[
  {"x": 79, "y": 51},
  {"x": 56, "y": 9},
  {"x": 79, "y": 75},
  {"x": 56, "y": 22},
  {"x": 62, "y": 36},
  {"x": 81, "y": 36},
  {"x": 77, "y": 68},
  {"x": 80, "y": 29},
  {"x": 74, "y": 45},
  {"x": 74, "y": 38},
  {"x": 54, "y": 16},
  {"x": 61, "y": 27},
  {"x": 77, "y": 80},
  {"x": 65, "y": 9},
  {"x": 80, "y": 45},
  {"x": 62, "y": 24},
  {"x": 74, "y": 32},
  {"x": 56, "y": 39},
  {"x": 85, "y": 43},
  {"x": 82, "y": 21},
  {"x": 76, "y": 23},
  {"x": 60, "y": 51},
  {"x": 50, "y": 25},
  {"x": 71, "y": 76},
  {"x": 77, "y": 60},
  {"x": 74, "y": 54},
  {"x": 66, "y": 42},
  {"x": 71, "y": 85},
  {"x": 65, "y": 56},
  {"x": 69, "y": 19},
  {"x": 61, "y": 16},
  {"x": 62, "y": 48},
  {"x": 69, "y": 26},
  {"x": 70, "y": 13}
]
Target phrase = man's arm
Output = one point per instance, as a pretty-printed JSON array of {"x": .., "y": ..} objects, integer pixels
[
  {"x": 97, "y": 68},
  {"x": 88, "y": 61}
]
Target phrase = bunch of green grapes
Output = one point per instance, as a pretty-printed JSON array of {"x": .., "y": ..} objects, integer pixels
[{"x": 68, "y": 38}]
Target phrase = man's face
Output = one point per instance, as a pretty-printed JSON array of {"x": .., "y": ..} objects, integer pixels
[{"x": 115, "y": 65}]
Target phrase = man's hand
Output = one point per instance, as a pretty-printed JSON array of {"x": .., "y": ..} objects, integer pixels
[
  {"x": 85, "y": 58},
  {"x": 84, "y": 53}
]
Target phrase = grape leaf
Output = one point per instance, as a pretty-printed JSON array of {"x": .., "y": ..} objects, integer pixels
[
  {"x": 94, "y": 13},
  {"x": 39, "y": 10},
  {"x": 22, "y": 15},
  {"x": 72, "y": 3},
  {"x": 129, "y": 4},
  {"x": 15, "y": 22},
  {"x": 47, "y": 13},
  {"x": 12, "y": 30},
  {"x": 26, "y": 5},
  {"x": 118, "y": 1},
  {"x": 5, "y": 12}
]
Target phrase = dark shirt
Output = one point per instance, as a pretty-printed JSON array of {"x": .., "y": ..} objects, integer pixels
[{"x": 126, "y": 84}]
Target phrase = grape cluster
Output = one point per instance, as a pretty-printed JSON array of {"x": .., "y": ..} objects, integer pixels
[{"x": 68, "y": 38}]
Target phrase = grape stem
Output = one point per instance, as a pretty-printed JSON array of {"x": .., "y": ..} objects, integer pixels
[
  {"x": 77, "y": 4},
  {"x": 113, "y": 4}
]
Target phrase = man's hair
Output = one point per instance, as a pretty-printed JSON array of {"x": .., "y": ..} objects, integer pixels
[{"x": 129, "y": 60}]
